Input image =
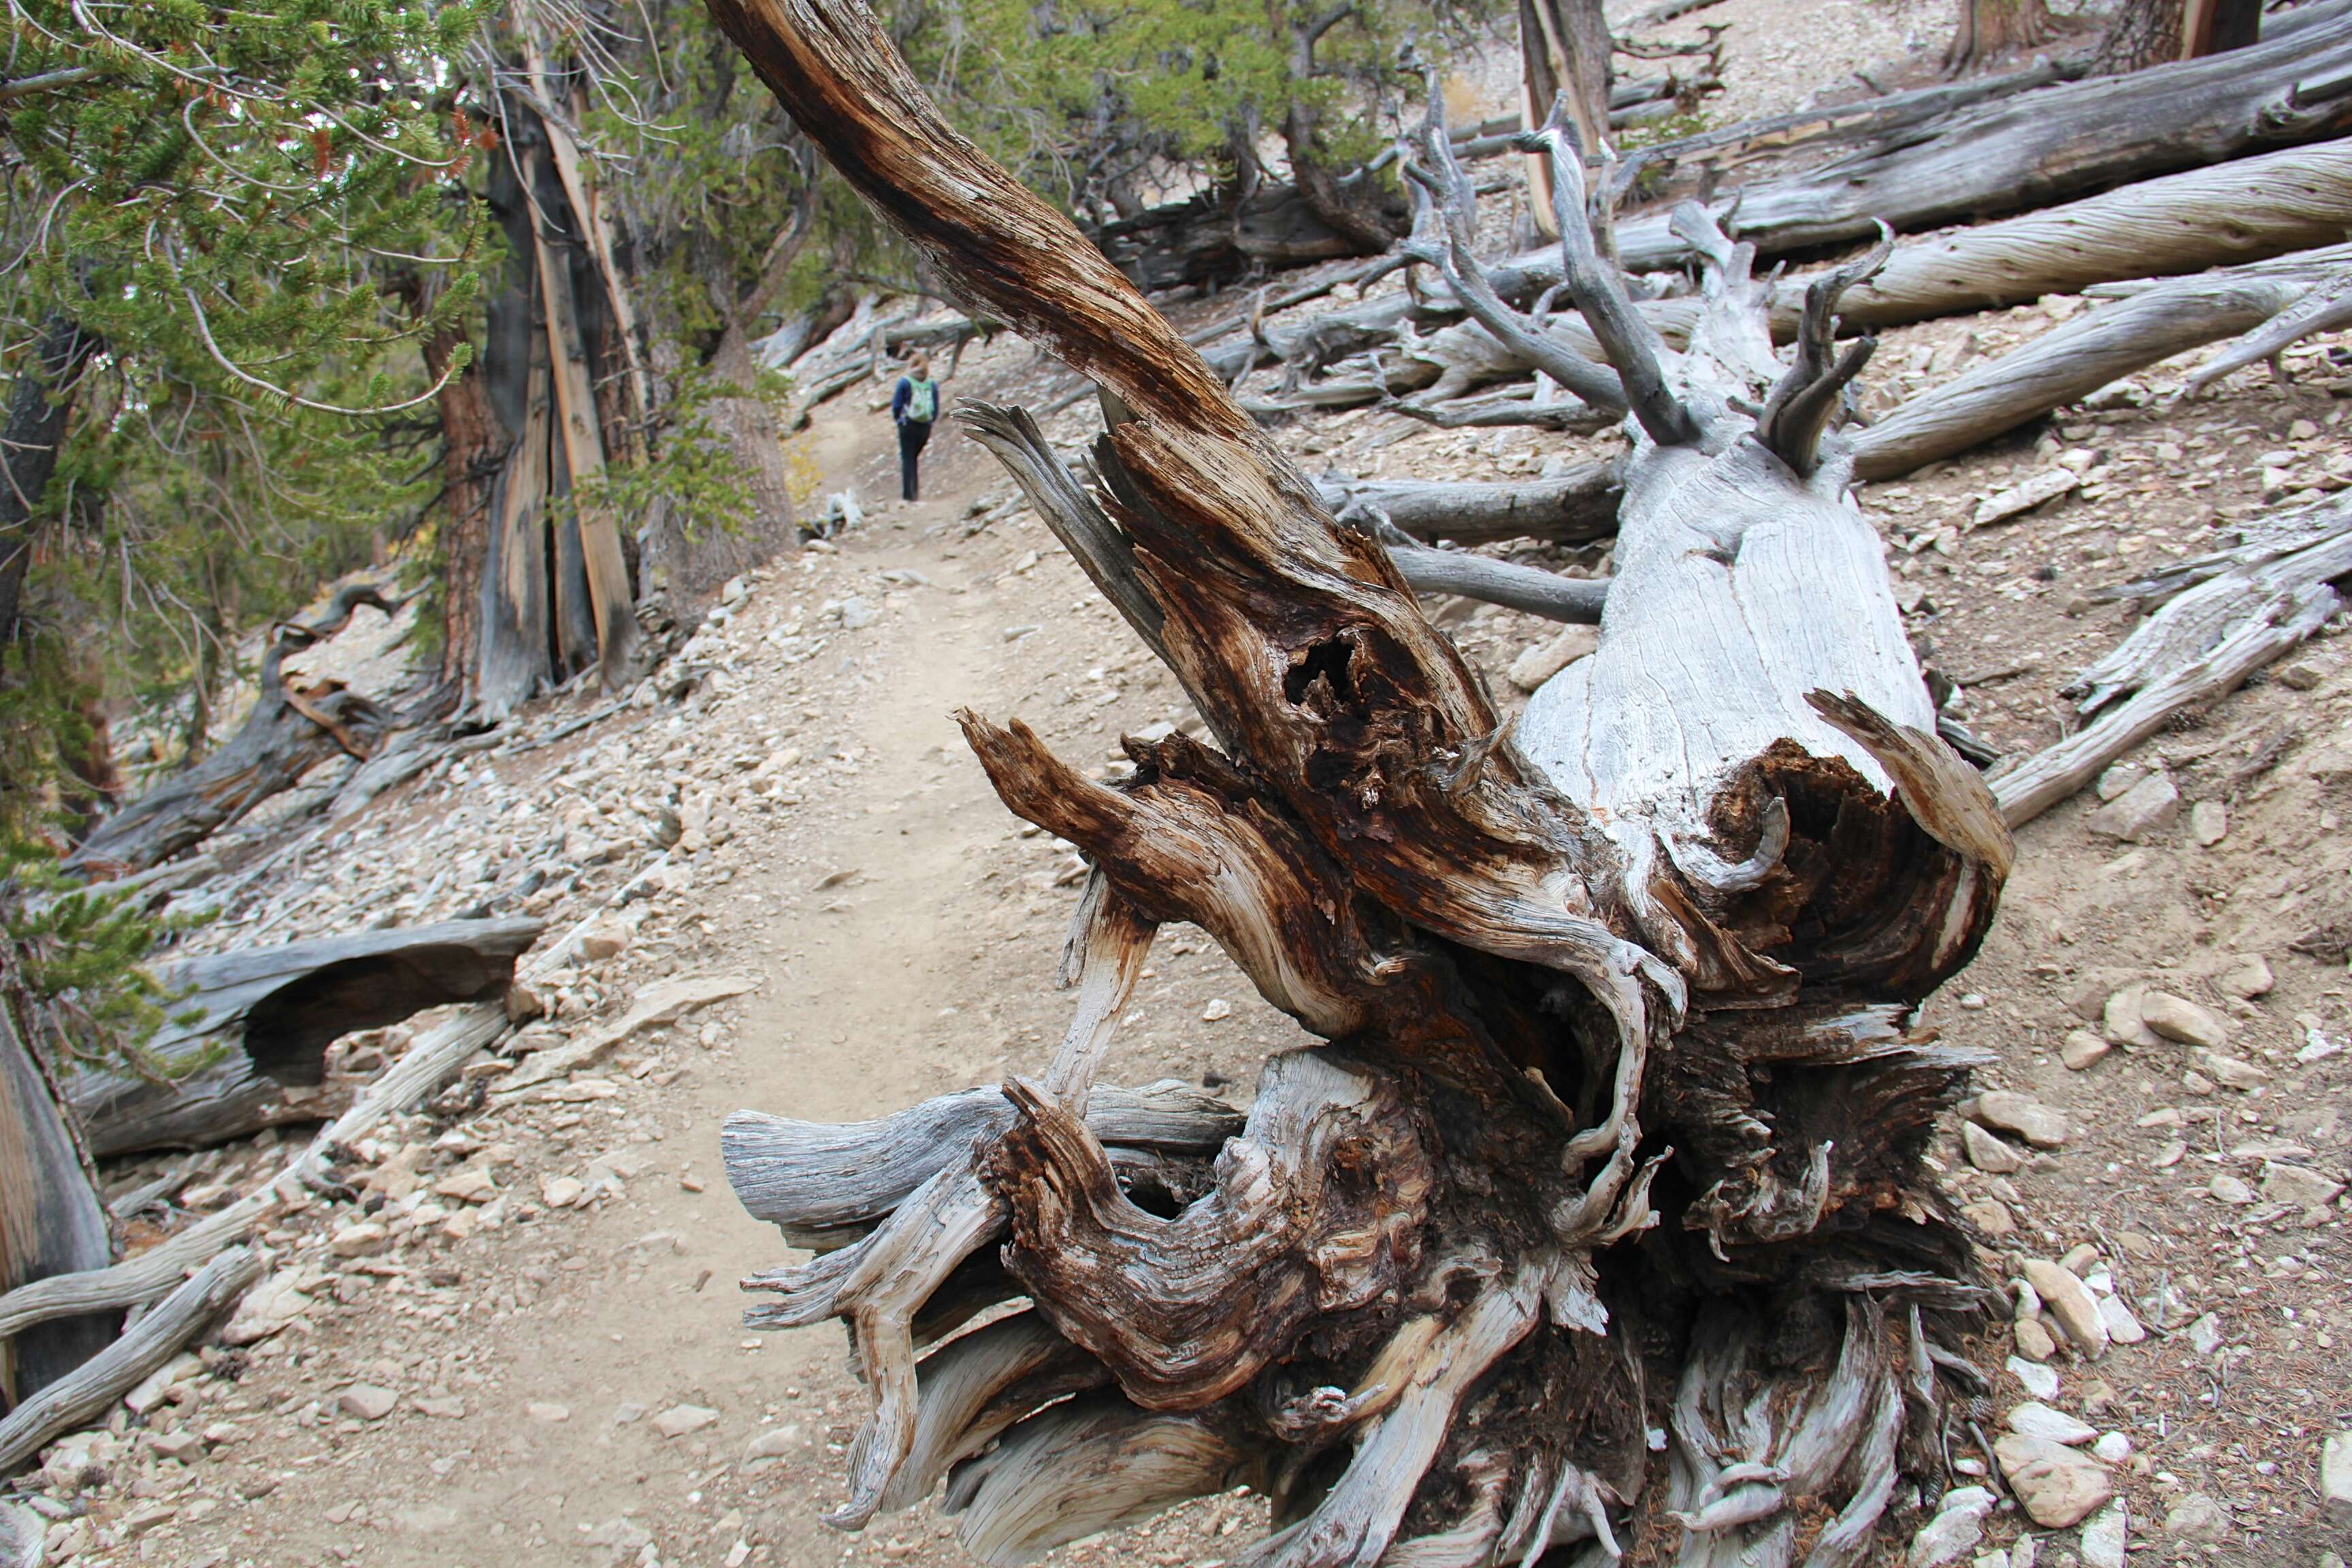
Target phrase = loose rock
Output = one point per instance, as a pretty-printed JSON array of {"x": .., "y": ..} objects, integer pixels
[
  {"x": 2068, "y": 1300},
  {"x": 1987, "y": 1153},
  {"x": 2209, "y": 822},
  {"x": 680, "y": 1419},
  {"x": 2248, "y": 978},
  {"x": 2082, "y": 1050},
  {"x": 1955, "y": 1530},
  {"x": 2304, "y": 1188},
  {"x": 2147, "y": 808},
  {"x": 2056, "y": 1486},
  {"x": 2336, "y": 1478},
  {"x": 2177, "y": 1019},
  {"x": 2035, "y": 1419},
  {"x": 2197, "y": 1518},
  {"x": 367, "y": 1401},
  {"x": 1541, "y": 662},
  {"x": 2105, "y": 1537},
  {"x": 2042, "y": 1126}
]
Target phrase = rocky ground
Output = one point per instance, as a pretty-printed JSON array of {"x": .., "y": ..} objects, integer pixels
[{"x": 511, "y": 1337}]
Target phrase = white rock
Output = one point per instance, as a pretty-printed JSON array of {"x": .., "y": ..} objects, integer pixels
[
  {"x": 2036, "y": 1380},
  {"x": 680, "y": 1419},
  {"x": 2229, "y": 1189},
  {"x": 2249, "y": 977},
  {"x": 2035, "y": 1419},
  {"x": 2113, "y": 1448},
  {"x": 2205, "y": 1334},
  {"x": 2123, "y": 1329},
  {"x": 368, "y": 1401},
  {"x": 547, "y": 1411},
  {"x": 561, "y": 1192},
  {"x": 2121, "y": 1021},
  {"x": 772, "y": 1444},
  {"x": 267, "y": 1308},
  {"x": 1217, "y": 1010},
  {"x": 2105, "y": 1537},
  {"x": 1955, "y": 1530},
  {"x": 2209, "y": 821},
  {"x": 2336, "y": 1478},
  {"x": 2068, "y": 1300},
  {"x": 152, "y": 1388},
  {"x": 2023, "y": 496}
]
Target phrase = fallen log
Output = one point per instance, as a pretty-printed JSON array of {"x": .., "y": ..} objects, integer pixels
[
  {"x": 88, "y": 1392},
  {"x": 263, "y": 1018},
  {"x": 1600, "y": 1127},
  {"x": 1571, "y": 508},
  {"x": 2078, "y": 357},
  {"x": 292, "y": 729},
  {"x": 2226, "y": 615},
  {"x": 2033, "y": 148}
]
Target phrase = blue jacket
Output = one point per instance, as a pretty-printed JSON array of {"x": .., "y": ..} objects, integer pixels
[{"x": 905, "y": 395}]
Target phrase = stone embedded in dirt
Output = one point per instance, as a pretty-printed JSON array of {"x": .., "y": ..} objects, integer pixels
[
  {"x": 448, "y": 1407},
  {"x": 1955, "y": 1530},
  {"x": 1987, "y": 1153},
  {"x": 2121, "y": 1018},
  {"x": 1991, "y": 1216},
  {"x": 2197, "y": 1517},
  {"x": 2196, "y": 1082},
  {"x": 2306, "y": 1188},
  {"x": 1217, "y": 1009},
  {"x": 2247, "y": 978},
  {"x": 561, "y": 1192},
  {"x": 472, "y": 1185},
  {"x": 2035, "y": 1419},
  {"x": 1541, "y": 662},
  {"x": 2148, "y": 807},
  {"x": 357, "y": 1240},
  {"x": 2068, "y": 1300},
  {"x": 2117, "y": 778},
  {"x": 680, "y": 1419},
  {"x": 547, "y": 1411},
  {"x": 2229, "y": 1189},
  {"x": 2209, "y": 822},
  {"x": 773, "y": 1444},
  {"x": 2178, "y": 1018},
  {"x": 2036, "y": 1379},
  {"x": 2033, "y": 1342},
  {"x": 267, "y": 1308},
  {"x": 2105, "y": 1536},
  {"x": 2298, "y": 676},
  {"x": 367, "y": 1401},
  {"x": 2205, "y": 1334},
  {"x": 2023, "y": 496},
  {"x": 2336, "y": 1478},
  {"x": 2080, "y": 1259},
  {"x": 2231, "y": 1073},
  {"x": 2123, "y": 1327},
  {"x": 2042, "y": 1126},
  {"x": 2056, "y": 1486},
  {"x": 605, "y": 939},
  {"x": 2082, "y": 1050}
]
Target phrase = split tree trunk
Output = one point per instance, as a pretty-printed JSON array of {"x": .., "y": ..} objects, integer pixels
[
  {"x": 1564, "y": 48},
  {"x": 50, "y": 1221},
  {"x": 1620, "y": 1121}
]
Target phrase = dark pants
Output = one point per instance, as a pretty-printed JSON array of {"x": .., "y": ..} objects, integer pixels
[{"x": 911, "y": 436}]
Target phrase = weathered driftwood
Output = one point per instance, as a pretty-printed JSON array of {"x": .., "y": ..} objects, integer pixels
[
  {"x": 108, "y": 1290},
  {"x": 50, "y": 1221},
  {"x": 2228, "y": 614},
  {"x": 2079, "y": 356},
  {"x": 1570, "y": 509},
  {"x": 2031, "y": 149},
  {"x": 293, "y": 727},
  {"x": 87, "y": 1393},
  {"x": 1621, "y": 1078},
  {"x": 263, "y": 1018}
]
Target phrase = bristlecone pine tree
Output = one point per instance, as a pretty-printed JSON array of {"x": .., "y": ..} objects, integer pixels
[{"x": 1598, "y": 1222}]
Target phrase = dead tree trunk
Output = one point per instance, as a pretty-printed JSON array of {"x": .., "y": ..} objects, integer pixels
[
  {"x": 2031, "y": 149},
  {"x": 292, "y": 729},
  {"x": 40, "y": 406},
  {"x": 1988, "y": 29},
  {"x": 1619, "y": 1122},
  {"x": 1564, "y": 47},
  {"x": 50, "y": 1221},
  {"x": 269, "y": 1014}
]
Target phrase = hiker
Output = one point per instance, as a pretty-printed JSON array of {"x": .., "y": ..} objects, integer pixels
[{"x": 914, "y": 406}]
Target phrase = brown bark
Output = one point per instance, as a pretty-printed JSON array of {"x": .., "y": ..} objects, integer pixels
[
  {"x": 472, "y": 446},
  {"x": 1990, "y": 30},
  {"x": 40, "y": 407},
  {"x": 1621, "y": 1062}
]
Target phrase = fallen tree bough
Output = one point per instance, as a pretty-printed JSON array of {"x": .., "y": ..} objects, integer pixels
[{"x": 1621, "y": 1073}]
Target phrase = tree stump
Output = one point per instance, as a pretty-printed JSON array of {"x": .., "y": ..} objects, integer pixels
[{"x": 1599, "y": 1221}]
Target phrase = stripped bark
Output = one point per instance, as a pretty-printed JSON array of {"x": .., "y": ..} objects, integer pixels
[
  {"x": 1620, "y": 1063},
  {"x": 51, "y": 1222}
]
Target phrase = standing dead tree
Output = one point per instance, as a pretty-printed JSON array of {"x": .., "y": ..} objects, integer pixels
[{"x": 1601, "y": 1216}]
